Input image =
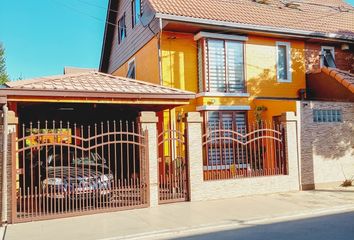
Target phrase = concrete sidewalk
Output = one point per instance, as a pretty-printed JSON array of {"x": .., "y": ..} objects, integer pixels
[{"x": 168, "y": 220}]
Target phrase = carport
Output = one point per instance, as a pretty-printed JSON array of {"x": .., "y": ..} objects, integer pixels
[{"x": 76, "y": 147}]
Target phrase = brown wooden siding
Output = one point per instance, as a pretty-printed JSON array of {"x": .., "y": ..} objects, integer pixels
[
  {"x": 344, "y": 58},
  {"x": 136, "y": 38}
]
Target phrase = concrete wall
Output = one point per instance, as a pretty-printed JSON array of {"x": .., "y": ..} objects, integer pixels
[
  {"x": 327, "y": 149},
  {"x": 12, "y": 121}
]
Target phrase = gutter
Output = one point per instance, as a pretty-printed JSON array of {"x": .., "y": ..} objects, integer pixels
[
  {"x": 159, "y": 51},
  {"x": 251, "y": 27},
  {"x": 4, "y": 167}
]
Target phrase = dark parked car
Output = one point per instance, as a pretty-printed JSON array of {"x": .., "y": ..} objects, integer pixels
[{"x": 66, "y": 173}]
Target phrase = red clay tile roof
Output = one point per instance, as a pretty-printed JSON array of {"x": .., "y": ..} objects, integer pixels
[
  {"x": 94, "y": 82},
  {"x": 343, "y": 77},
  {"x": 320, "y": 16}
]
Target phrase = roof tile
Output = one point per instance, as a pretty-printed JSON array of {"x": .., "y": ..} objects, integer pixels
[
  {"x": 322, "y": 16},
  {"x": 93, "y": 82}
]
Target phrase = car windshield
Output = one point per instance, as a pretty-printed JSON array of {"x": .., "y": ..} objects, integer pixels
[
  {"x": 65, "y": 158},
  {"x": 88, "y": 159}
]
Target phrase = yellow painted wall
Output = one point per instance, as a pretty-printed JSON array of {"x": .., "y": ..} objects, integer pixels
[
  {"x": 146, "y": 63},
  {"x": 261, "y": 78},
  {"x": 179, "y": 63},
  {"x": 180, "y": 70}
]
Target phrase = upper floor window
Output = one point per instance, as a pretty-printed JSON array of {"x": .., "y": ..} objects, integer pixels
[
  {"x": 131, "y": 69},
  {"x": 224, "y": 66},
  {"x": 283, "y": 62},
  {"x": 136, "y": 12},
  {"x": 327, "y": 57},
  {"x": 122, "y": 29}
]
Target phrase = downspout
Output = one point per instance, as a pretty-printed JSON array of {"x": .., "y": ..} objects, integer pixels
[
  {"x": 4, "y": 166},
  {"x": 159, "y": 51}
]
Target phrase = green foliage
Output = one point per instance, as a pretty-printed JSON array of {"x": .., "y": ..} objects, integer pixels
[
  {"x": 258, "y": 113},
  {"x": 3, "y": 75}
]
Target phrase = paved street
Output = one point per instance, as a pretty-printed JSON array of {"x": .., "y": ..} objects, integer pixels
[
  {"x": 329, "y": 227},
  {"x": 243, "y": 217}
]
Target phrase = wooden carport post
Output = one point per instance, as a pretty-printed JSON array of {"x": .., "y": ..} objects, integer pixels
[{"x": 148, "y": 121}]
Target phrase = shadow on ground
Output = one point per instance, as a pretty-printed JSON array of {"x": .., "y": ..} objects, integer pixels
[{"x": 330, "y": 227}]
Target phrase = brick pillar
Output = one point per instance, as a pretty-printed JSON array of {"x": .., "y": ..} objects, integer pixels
[
  {"x": 292, "y": 145},
  {"x": 148, "y": 121},
  {"x": 194, "y": 151}
]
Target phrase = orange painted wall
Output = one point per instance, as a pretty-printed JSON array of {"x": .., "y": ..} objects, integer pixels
[
  {"x": 146, "y": 63},
  {"x": 261, "y": 78},
  {"x": 179, "y": 61}
]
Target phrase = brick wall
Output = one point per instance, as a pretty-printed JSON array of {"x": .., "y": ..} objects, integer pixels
[
  {"x": 327, "y": 149},
  {"x": 344, "y": 59}
]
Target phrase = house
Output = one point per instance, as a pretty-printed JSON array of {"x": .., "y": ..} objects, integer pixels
[
  {"x": 247, "y": 61},
  {"x": 192, "y": 101}
]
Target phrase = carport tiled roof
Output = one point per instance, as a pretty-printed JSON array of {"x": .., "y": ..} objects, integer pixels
[
  {"x": 343, "y": 77},
  {"x": 94, "y": 82},
  {"x": 317, "y": 16}
]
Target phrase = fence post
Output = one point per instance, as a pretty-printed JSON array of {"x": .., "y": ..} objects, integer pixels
[
  {"x": 148, "y": 121},
  {"x": 292, "y": 145},
  {"x": 194, "y": 152},
  {"x": 8, "y": 198}
]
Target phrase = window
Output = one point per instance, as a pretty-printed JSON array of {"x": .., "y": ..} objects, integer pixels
[
  {"x": 122, "y": 29},
  {"x": 327, "y": 57},
  {"x": 222, "y": 151},
  {"x": 283, "y": 62},
  {"x": 325, "y": 116},
  {"x": 131, "y": 69},
  {"x": 224, "y": 65},
  {"x": 136, "y": 12}
]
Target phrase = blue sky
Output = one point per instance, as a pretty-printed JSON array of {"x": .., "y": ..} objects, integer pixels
[{"x": 43, "y": 36}]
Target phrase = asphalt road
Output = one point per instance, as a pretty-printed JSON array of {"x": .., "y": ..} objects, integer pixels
[{"x": 330, "y": 227}]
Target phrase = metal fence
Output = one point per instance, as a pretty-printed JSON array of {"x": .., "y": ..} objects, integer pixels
[
  {"x": 243, "y": 151},
  {"x": 63, "y": 169},
  {"x": 172, "y": 167}
]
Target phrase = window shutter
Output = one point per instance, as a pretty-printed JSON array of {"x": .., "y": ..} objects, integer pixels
[
  {"x": 216, "y": 67},
  {"x": 235, "y": 70}
]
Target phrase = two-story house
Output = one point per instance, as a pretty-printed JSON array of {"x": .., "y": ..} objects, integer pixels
[{"x": 246, "y": 60}]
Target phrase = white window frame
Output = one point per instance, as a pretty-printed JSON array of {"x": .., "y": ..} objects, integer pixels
[
  {"x": 130, "y": 62},
  {"x": 323, "y": 48},
  {"x": 288, "y": 59}
]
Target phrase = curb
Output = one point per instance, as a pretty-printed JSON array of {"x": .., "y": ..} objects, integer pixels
[{"x": 186, "y": 231}]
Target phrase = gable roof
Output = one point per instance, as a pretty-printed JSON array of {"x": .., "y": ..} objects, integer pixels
[
  {"x": 92, "y": 84},
  {"x": 326, "y": 17},
  {"x": 343, "y": 77},
  {"x": 332, "y": 19}
]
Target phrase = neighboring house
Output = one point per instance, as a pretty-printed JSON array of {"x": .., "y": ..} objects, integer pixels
[{"x": 245, "y": 60}]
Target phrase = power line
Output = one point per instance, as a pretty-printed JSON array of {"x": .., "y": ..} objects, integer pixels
[
  {"x": 88, "y": 15},
  {"x": 98, "y": 6}
]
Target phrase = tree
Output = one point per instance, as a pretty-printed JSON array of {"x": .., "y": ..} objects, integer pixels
[{"x": 3, "y": 75}]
